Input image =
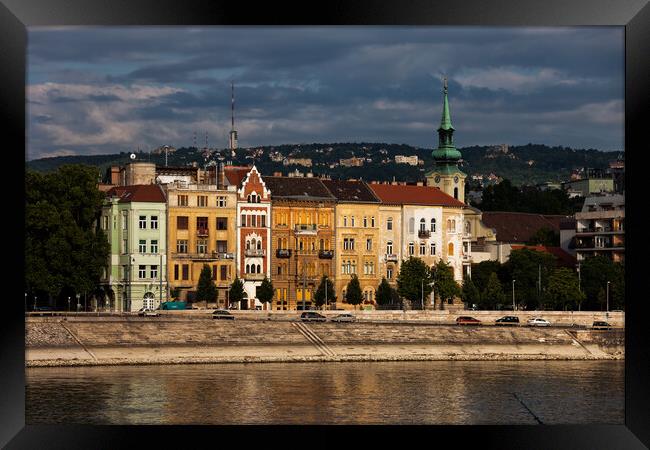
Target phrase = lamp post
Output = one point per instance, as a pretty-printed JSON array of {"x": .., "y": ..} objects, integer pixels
[
  {"x": 608, "y": 297},
  {"x": 513, "y": 295},
  {"x": 25, "y": 301},
  {"x": 78, "y": 304},
  {"x": 68, "y": 304},
  {"x": 326, "y": 285}
]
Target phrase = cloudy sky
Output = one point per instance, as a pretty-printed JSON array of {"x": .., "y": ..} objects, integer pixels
[{"x": 107, "y": 89}]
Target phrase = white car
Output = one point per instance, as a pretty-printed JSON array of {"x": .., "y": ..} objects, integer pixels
[
  {"x": 538, "y": 322},
  {"x": 148, "y": 312},
  {"x": 344, "y": 318}
]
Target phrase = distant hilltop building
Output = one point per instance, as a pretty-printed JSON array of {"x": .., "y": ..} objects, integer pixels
[
  {"x": 306, "y": 162},
  {"x": 401, "y": 159},
  {"x": 162, "y": 149},
  {"x": 352, "y": 162},
  {"x": 496, "y": 150}
]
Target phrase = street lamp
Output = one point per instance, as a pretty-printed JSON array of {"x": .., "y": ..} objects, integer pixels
[
  {"x": 78, "y": 304},
  {"x": 513, "y": 295},
  {"x": 326, "y": 306},
  {"x": 25, "y": 301},
  {"x": 608, "y": 297},
  {"x": 68, "y": 304}
]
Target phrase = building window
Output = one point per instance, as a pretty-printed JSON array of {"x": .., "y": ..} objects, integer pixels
[
  {"x": 201, "y": 246},
  {"x": 411, "y": 248},
  {"x": 154, "y": 246},
  {"x": 433, "y": 225},
  {"x": 368, "y": 244},
  {"x": 125, "y": 221},
  {"x": 348, "y": 244},
  {"x": 203, "y": 200},
  {"x": 221, "y": 202},
  {"x": 175, "y": 271},
  {"x": 423, "y": 248},
  {"x": 433, "y": 249},
  {"x": 182, "y": 200},
  {"x": 389, "y": 273},
  {"x": 154, "y": 272},
  {"x": 389, "y": 223},
  {"x": 253, "y": 221},
  {"x": 345, "y": 221},
  {"x": 181, "y": 246},
  {"x": 214, "y": 272},
  {"x": 263, "y": 221},
  {"x": 125, "y": 246},
  {"x": 468, "y": 227},
  {"x": 142, "y": 246},
  {"x": 182, "y": 223},
  {"x": 423, "y": 225},
  {"x": 186, "y": 272},
  {"x": 224, "y": 272},
  {"x": 372, "y": 222},
  {"x": 222, "y": 246},
  {"x": 389, "y": 248},
  {"x": 411, "y": 225},
  {"x": 365, "y": 222},
  {"x": 143, "y": 222},
  {"x": 142, "y": 272},
  {"x": 222, "y": 223},
  {"x": 243, "y": 220},
  {"x": 202, "y": 224},
  {"x": 450, "y": 249},
  {"x": 154, "y": 222},
  {"x": 352, "y": 221}
]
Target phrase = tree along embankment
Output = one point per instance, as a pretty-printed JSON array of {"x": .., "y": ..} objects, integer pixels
[{"x": 62, "y": 341}]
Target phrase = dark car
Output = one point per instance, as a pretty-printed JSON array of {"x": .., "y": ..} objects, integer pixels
[
  {"x": 222, "y": 314},
  {"x": 507, "y": 320},
  {"x": 600, "y": 325},
  {"x": 467, "y": 320},
  {"x": 312, "y": 316}
]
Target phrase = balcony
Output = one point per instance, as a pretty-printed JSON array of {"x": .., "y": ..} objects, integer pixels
[
  {"x": 209, "y": 256},
  {"x": 254, "y": 252},
  {"x": 326, "y": 254},
  {"x": 424, "y": 234},
  {"x": 283, "y": 253},
  {"x": 390, "y": 258},
  {"x": 202, "y": 232},
  {"x": 305, "y": 229},
  {"x": 254, "y": 276}
]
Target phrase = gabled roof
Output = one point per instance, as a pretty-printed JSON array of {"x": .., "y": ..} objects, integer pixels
[
  {"x": 564, "y": 259},
  {"x": 519, "y": 227},
  {"x": 151, "y": 193},
  {"x": 351, "y": 191},
  {"x": 236, "y": 174},
  {"x": 414, "y": 195},
  {"x": 297, "y": 188}
]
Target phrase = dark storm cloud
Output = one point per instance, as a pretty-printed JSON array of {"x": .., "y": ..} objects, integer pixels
[{"x": 92, "y": 89}]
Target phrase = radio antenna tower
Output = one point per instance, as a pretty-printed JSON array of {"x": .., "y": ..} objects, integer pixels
[{"x": 233, "y": 133}]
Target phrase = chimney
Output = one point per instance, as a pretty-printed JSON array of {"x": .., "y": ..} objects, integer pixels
[
  {"x": 221, "y": 175},
  {"x": 277, "y": 174}
]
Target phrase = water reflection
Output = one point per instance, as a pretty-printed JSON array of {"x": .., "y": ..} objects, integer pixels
[{"x": 433, "y": 392}]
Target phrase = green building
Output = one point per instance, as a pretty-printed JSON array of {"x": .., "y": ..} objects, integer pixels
[
  {"x": 134, "y": 219},
  {"x": 446, "y": 175}
]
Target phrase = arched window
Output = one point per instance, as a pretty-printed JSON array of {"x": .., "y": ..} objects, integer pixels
[
  {"x": 411, "y": 248},
  {"x": 389, "y": 248},
  {"x": 450, "y": 249},
  {"x": 423, "y": 224},
  {"x": 456, "y": 193},
  {"x": 248, "y": 268},
  {"x": 468, "y": 227},
  {"x": 453, "y": 225},
  {"x": 259, "y": 268},
  {"x": 248, "y": 245},
  {"x": 389, "y": 223},
  {"x": 259, "y": 244},
  {"x": 433, "y": 225}
]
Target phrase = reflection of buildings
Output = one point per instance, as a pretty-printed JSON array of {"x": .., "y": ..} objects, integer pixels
[{"x": 302, "y": 239}]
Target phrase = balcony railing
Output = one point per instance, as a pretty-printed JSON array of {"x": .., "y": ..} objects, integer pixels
[
  {"x": 209, "y": 256},
  {"x": 283, "y": 253},
  {"x": 254, "y": 276},
  {"x": 392, "y": 258},
  {"x": 326, "y": 254},
  {"x": 424, "y": 234},
  {"x": 254, "y": 252},
  {"x": 306, "y": 229},
  {"x": 202, "y": 232}
]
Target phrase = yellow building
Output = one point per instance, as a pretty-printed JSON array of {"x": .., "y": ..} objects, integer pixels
[
  {"x": 201, "y": 230},
  {"x": 357, "y": 239},
  {"x": 302, "y": 239}
]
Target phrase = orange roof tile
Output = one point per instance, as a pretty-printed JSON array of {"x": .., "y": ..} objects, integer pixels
[
  {"x": 414, "y": 195},
  {"x": 138, "y": 193}
]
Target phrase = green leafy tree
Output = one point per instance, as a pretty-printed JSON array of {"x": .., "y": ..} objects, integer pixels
[
  {"x": 545, "y": 236},
  {"x": 414, "y": 280},
  {"x": 385, "y": 294},
  {"x": 470, "y": 293},
  {"x": 562, "y": 291},
  {"x": 493, "y": 294},
  {"x": 206, "y": 291},
  {"x": 65, "y": 250},
  {"x": 446, "y": 287},
  {"x": 236, "y": 293},
  {"x": 319, "y": 296},
  {"x": 265, "y": 291},
  {"x": 595, "y": 272},
  {"x": 525, "y": 266},
  {"x": 353, "y": 292},
  {"x": 481, "y": 273}
]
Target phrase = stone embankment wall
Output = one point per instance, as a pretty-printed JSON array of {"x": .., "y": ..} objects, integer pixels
[{"x": 55, "y": 341}]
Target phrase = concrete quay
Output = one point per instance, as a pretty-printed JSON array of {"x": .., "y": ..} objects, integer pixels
[{"x": 75, "y": 341}]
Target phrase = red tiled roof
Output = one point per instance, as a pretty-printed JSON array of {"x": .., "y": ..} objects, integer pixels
[
  {"x": 138, "y": 193},
  {"x": 564, "y": 259},
  {"x": 236, "y": 174},
  {"x": 413, "y": 195},
  {"x": 519, "y": 227}
]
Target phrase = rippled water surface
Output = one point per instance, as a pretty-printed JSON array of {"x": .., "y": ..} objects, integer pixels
[{"x": 432, "y": 392}]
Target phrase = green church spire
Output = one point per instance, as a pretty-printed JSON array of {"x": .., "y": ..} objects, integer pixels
[
  {"x": 446, "y": 154},
  {"x": 445, "y": 123}
]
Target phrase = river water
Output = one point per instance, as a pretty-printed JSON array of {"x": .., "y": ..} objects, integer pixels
[{"x": 430, "y": 392}]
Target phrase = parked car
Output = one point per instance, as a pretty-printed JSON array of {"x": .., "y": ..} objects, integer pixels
[
  {"x": 312, "y": 316},
  {"x": 538, "y": 322},
  {"x": 467, "y": 320},
  {"x": 507, "y": 320},
  {"x": 600, "y": 325},
  {"x": 347, "y": 317},
  {"x": 222, "y": 314},
  {"x": 147, "y": 312}
]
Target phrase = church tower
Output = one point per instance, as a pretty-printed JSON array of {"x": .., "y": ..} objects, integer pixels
[{"x": 446, "y": 175}]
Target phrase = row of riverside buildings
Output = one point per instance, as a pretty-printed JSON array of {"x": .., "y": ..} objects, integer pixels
[{"x": 165, "y": 223}]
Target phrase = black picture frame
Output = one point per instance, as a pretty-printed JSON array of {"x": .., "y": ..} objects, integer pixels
[{"x": 634, "y": 15}]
